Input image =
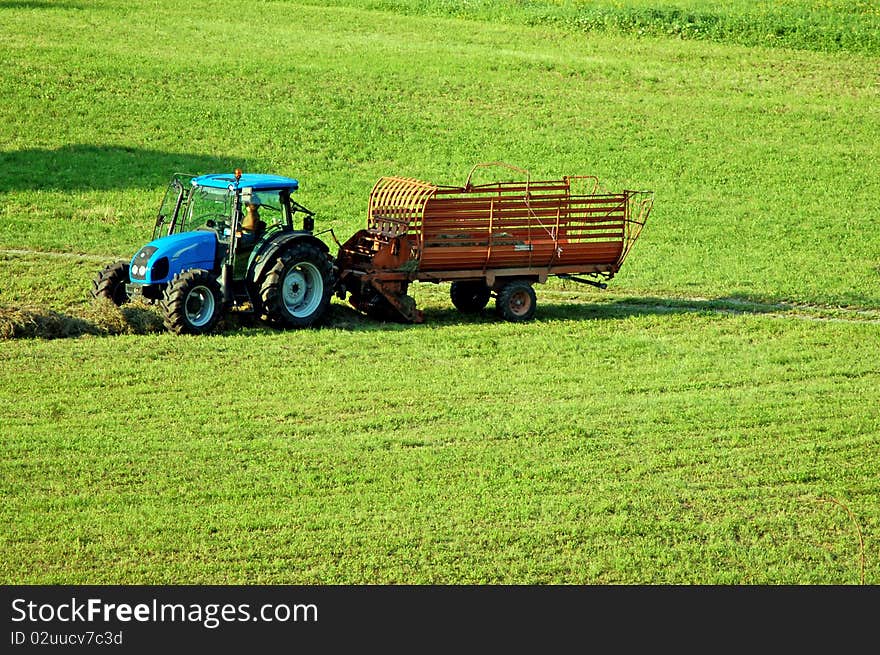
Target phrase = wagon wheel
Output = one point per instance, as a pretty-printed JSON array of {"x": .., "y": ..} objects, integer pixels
[
  {"x": 469, "y": 296},
  {"x": 516, "y": 301}
]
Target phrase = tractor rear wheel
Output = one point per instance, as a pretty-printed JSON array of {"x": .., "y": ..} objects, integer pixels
[
  {"x": 516, "y": 301},
  {"x": 296, "y": 291},
  {"x": 192, "y": 302},
  {"x": 469, "y": 296},
  {"x": 110, "y": 283}
]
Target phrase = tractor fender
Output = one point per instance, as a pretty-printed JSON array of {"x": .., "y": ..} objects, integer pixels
[{"x": 264, "y": 257}]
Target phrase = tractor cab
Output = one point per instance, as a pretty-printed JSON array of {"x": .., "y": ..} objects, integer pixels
[
  {"x": 217, "y": 201},
  {"x": 239, "y": 209}
]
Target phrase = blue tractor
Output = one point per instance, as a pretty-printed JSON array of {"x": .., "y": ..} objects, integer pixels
[{"x": 227, "y": 242}]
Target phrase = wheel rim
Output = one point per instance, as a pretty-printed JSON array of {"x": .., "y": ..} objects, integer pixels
[
  {"x": 199, "y": 306},
  {"x": 520, "y": 302},
  {"x": 302, "y": 289}
]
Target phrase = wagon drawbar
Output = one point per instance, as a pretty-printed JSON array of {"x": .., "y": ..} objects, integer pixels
[{"x": 489, "y": 239}]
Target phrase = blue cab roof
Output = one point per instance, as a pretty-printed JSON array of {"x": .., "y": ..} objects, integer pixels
[{"x": 255, "y": 181}]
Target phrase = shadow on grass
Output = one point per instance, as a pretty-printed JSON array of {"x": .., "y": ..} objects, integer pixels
[
  {"x": 580, "y": 310},
  {"x": 345, "y": 317},
  {"x": 652, "y": 306},
  {"x": 584, "y": 310},
  {"x": 103, "y": 318},
  {"x": 88, "y": 167}
]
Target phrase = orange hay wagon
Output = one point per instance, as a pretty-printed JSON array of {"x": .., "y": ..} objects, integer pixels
[{"x": 498, "y": 238}]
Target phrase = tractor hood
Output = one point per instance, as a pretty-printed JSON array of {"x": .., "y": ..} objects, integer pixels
[{"x": 162, "y": 259}]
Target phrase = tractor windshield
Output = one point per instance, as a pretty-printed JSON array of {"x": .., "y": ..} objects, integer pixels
[{"x": 207, "y": 207}]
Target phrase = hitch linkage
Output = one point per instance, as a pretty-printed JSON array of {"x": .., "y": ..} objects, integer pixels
[{"x": 593, "y": 283}]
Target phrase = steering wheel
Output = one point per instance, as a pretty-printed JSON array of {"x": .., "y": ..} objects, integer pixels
[{"x": 218, "y": 225}]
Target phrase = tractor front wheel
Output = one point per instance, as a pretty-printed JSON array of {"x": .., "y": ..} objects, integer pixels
[
  {"x": 296, "y": 291},
  {"x": 192, "y": 302},
  {"x": 516, "y": 301},
  {"x": 110, "y": 283}
]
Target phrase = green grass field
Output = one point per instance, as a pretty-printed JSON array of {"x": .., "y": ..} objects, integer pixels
[{"x": 712, "y": 418}]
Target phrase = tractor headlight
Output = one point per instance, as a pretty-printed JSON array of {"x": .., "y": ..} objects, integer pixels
[{"x": 139, "y": 262}]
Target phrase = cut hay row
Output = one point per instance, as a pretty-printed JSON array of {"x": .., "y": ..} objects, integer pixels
[{"x": 101, "y": 318}]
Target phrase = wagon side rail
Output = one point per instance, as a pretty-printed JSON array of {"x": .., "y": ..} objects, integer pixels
[{"x": 472, "y": 227}]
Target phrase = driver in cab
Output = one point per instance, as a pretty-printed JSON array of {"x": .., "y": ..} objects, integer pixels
[{"x": 252, "y": 226}]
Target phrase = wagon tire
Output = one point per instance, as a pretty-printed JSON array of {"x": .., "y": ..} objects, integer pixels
[
  {"x": 296, "y": 291},
  {"x": 516, "y": 301},
  {"x": 192, "y": 302},
  {"x": 110, "y": 283},
  {"x": 469, "y": 296}
]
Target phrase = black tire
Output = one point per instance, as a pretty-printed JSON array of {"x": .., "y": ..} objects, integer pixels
[
  {"x": 469, "y": 296},
  {"x": 296, "y": 291},
  {"x": 110, "y": 283},
  {"x": 192, "y": 302},
  {"x": 516, "y": 301}
]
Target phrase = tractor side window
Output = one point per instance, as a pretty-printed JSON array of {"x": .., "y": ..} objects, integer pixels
[
  {"x": 210, "y": 208},
  {"x": 270, "y": 208}
]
